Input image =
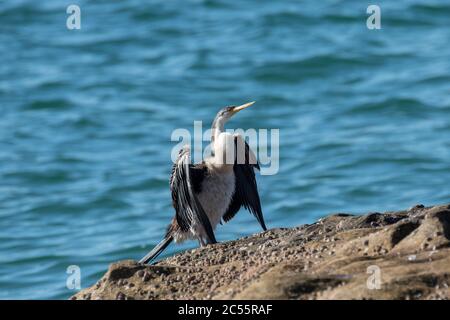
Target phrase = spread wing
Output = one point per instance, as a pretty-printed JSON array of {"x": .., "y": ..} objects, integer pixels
[
  {"x": 246, "y": 191},
  {"x": 187, "y": 206}
]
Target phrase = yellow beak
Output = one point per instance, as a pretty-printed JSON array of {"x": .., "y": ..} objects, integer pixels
[{"x": 242, "y": 107}]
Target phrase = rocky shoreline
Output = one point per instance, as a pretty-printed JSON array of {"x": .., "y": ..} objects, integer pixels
[{"x": 394, "y": 255}]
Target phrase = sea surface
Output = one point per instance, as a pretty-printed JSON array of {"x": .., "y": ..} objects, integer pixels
[{"x": 87, "y": 116}]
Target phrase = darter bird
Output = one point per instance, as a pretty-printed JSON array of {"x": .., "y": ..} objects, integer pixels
[{"x": 213, "y": 191}]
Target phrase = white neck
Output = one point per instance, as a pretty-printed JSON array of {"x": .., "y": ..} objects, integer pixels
[
  {"x": 223, "y": 147},
  {"x": 216, "y": 130}
]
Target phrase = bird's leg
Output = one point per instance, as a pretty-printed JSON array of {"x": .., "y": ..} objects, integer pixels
[{"x": 201, "y": 241}]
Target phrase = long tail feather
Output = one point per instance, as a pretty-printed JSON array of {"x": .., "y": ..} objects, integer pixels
[{"x": 157, "y": 250}]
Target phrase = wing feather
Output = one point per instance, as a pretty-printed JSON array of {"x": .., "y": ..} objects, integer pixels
[
  {"x": 246, "y": 190},
  {"x": 187, "y": 206}
]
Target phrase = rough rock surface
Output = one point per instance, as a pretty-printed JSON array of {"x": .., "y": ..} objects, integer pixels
[{"x": 406, "y": 254}]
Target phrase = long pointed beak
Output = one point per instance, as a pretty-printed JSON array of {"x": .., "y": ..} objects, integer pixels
[{"x": 242, "y": 107}]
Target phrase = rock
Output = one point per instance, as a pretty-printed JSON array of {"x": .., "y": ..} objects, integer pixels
[{"x": 334, "y": 258}]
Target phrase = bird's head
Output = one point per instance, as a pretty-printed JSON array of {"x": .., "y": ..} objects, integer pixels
[{"x": 226, "y": 113}]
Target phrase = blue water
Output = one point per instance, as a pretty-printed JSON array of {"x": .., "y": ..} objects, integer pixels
[{"x": 86, "y": 119}]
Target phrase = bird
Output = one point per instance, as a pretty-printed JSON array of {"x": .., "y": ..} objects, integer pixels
[{"x": 212, "y": 192}]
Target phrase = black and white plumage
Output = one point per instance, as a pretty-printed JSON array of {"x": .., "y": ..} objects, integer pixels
[{"x": 205, "y": 194}]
